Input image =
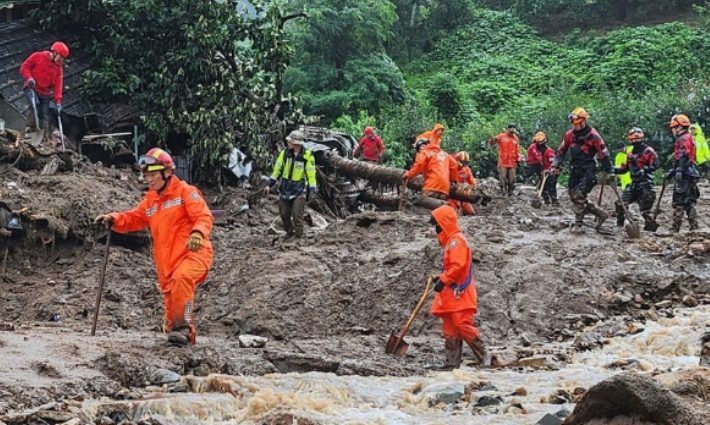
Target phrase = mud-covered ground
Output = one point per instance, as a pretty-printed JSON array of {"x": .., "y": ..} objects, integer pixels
[{"x": 325, "y": 303}]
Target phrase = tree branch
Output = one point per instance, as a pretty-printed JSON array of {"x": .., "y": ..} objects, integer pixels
[{"x": 293, "y": 16}]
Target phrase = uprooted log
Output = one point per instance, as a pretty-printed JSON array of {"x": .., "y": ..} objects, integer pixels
[
  {"x": 26, "y": 157},
  {"x": 393, "y": 176}
]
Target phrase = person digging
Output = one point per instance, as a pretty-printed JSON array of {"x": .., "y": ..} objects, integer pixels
[
  {"x": 455, "y": 288},
  {"x": 180, "y": 224}
]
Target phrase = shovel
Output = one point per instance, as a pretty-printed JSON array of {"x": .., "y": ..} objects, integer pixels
[
  {"x": 652, "y": 225},
  {"x": 61, "y": 129},
  {"x": 537, "y": 203},
  {"x": 396, "y": 344},
  {"x": 632, "y": 228},
  {"x": 38, "y": 135},
  {"x": 101, "y": 282}
]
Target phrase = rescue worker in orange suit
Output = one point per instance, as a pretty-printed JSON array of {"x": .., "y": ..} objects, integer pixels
[
  {"x": 370, "y": 146},
  {"x": 463, "y": 175},
  {"x": 641, "y": 163},
  {"x": 435, "y": 165},
  {"x": 685, "y": 193},
  {"x": 455, "y": 288},
  {"x": 434, "y": 136},
  {"x": 180, "y": 223},
  {"x": 508, "y": 157},
  {"x": 44, "y": 72},
  {"x": 584, "y": 143},
  {"x": 539, "y": 161}
]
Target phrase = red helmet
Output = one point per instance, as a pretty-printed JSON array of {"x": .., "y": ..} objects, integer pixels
[
  {"x": 60, "y": 48},
  {"x": 463, "y": 158},
  {"x": 368, "y": 130},
  {"x": 156, "y": 160}
]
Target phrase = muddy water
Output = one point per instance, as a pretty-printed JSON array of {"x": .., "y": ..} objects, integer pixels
[{"x": 668, "y": 344}]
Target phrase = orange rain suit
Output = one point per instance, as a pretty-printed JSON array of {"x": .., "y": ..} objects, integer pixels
[
  {"x": 457, "y": 313},
  {"x": 463, "y": 175},
  {"x": 508, "y": 150},
  {"x": 431, "y": 136},
  {"x": 172, "y": 216},
  {"x": 437, "y": 166}
]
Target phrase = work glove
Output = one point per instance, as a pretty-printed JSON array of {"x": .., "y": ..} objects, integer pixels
[
  {"x": 195, "y": 241},
  {"x": 31, "y": 83},
  {"x": 59, "y": 108},
  {"x": 438, "y": 285},
  {"x": 104, "y": 219}
]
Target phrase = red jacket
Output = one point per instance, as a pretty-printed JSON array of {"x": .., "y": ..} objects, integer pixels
[
  {"x": 584, "y": 145},
  {"x": 371, "y": 147},
  {"x": 535, "y": 157},
  {"x": 47, "y": 74},
  {"x": 508, "y": 150},
  {"x": 457, "y": 265},
  {"x": 684, "y": 146}
]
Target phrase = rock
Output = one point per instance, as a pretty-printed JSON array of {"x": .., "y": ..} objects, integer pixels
[
  {"x": 563, "y": 413},
  {"x": 163, "y": 376},
  {"x": 105, "y": 420},
  {"x": 589, "y": 341},
  {"x": 488, "y": 401},
  {"x": 286, "y": 418},
  {"x": 488, "y": 387},
  {"x": 630, "y": 395},
  {"x": 705, "y": 350},
  {"x": 559, "y": 397},
  {"x": 549, "y": 420},
  {"x": 504, "y": 358},
  {"x": 664, "y": 304},
  {"x": 622, "y": 298},
  {"x": 533, "y": 362},
  {"x": 635, "y": 328},
  {"x": 514, "y": 409},
  {"x": 690, "y": 301},
  {"x": 638, "y": 298},
  {"x": 75, "y": 421},
  {"x": 251, "y": 341},
  {"x": 520, "y": 392},
  {"x": 447, "y": 393},
  {"x": 287, "y": 362}
]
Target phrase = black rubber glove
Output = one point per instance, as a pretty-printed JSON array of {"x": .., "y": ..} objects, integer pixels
[{"x": 438, "y": 285}]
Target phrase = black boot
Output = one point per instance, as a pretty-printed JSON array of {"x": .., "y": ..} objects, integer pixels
[
  {"x": 479, "y": 350},
  {"x": 454, "y": 349},
  {"x": 180, "y": 337}
]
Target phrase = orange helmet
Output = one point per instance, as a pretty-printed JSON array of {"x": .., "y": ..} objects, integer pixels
[
  {"x": 462, "y": 158},
  {"x": 635, "y": 135},
  {"x": 156, "y": 160},
  {"x": 540, "y": 137},
  {"x": 679, "y": 120},
  {"x": 578, "y": 115},
  {"x": 60, "y": 48}
]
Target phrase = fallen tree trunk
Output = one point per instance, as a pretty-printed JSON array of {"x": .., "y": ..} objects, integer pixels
[
  {"x": 393, "y": 176},
  {"x": 25, "y": 157},
  {"x": 372, "y": 197}
]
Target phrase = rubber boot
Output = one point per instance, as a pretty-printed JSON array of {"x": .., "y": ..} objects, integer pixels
[
  {"x": 677, "y": 219},
  {"x": 578, "y": 223},
  {"x": 620, "y": 220},
  {"x": 454, "y": 349},
  {"x": 479, "y": 350},
  {"x": 692, "y": 218},
  {"x": 647, "y": 218},
  {"x": 600, "y": 213},
  {"x": 180, "y": 337}
]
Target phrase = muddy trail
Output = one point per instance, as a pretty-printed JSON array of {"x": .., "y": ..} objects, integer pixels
[{"x": 326, "y": 303}]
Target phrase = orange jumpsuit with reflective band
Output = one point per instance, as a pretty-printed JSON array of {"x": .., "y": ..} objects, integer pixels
[
  {"x": 436, "y": 165},
  {"x": 508, "y": 150},
  {"x": 457, "y": 313},
  {"x": 171, "y": 216},
  {"x": 431, "y": 136},
  {"x": 465, "y": 176}
]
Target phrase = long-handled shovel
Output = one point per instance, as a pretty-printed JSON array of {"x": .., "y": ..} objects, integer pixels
[
  {"x": 61, "y": 129},
  {"x": 652, "y": 225},
  {"x": 632, "y": 228},
  {"x": 396, "y": 344},
  {"x": 101, "y": 283},
  {"x": 38, "y": 135},
  {"x": 537, "y": 202}
]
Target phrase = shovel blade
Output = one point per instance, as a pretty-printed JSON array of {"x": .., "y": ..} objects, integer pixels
[
  {"x": 633, "y": 230},
  {"x": 397, "y": 349},
  {"x": 536, "y": 203},
  {"x": 651, "y": 226}
]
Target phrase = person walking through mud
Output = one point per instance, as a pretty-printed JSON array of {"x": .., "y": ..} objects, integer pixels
[
  {"x": 540, "y": 158},
  {"x": 455, "y": 288},
  {"x": 296, "y": 167},
  {"x": 584, "y": 143},
  {"x": 180, "y": 224},
  {"x": 370, "y": 147},
  {"x": 43, "y": 72},
  {"x": 685, "y": 191},
  {"x": 641, "y": 164},
  {"x": 508, "y": 158},
  {"x": 437, "y": 167}
]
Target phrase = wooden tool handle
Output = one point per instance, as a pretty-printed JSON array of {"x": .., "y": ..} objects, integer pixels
[{"x": 427, "y": 292}]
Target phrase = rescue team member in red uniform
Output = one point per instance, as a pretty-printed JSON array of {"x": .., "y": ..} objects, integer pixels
[
  {"x": 508, "y": 158},
  {"x": 641, "y": 163},
  {"x": 686, "y": 193},
  {"x": 463, "y": 175},
  {"x": 44, "y": 72},
  {"x": 539, "y": 161},
  {"x": 435, "y": 165},
  {"x": 370, "y": 146},
  {"x": 180, "y": 223},
  {"x": 455, "y": 287},
  {"x": 584, "y": 143}
]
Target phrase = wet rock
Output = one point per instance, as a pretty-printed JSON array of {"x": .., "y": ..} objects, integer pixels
[
  {"x": 488, "y": 401},
  {"x": 630, "y": 395},
  {"x": 520, "y": 392},
  {"x": 690, "y": 301},
  {"x": 589, "y": 341},
  {"x": 163, "y": 376},
  {"x": 504, "y": 358},
  {"x": 534, "y": 362},
  {"x": 559, "y": 397},
  {"x": 514, "y": 409},
  {"x": 562, "y": 413},
  {"x": 287, "y": 362},
  {"x": 488, "y": 387},
  {"x": 105, "y": 420},
  {"x": 252, "y": 341},
  {"x": 622, "y": 298},
  {"x": 705, "y": 350},
  {"x": 286, "y": 418},
  {"x": 446, "y": 393},
  {"x": 635, "y": 328},
  {"x": 664, "y": 304},
  {"x": 549, "y": 419}
]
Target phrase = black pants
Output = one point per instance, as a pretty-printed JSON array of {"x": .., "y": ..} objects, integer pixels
[
  {"x": 685, "y": 193},
  {"x": 549, "y": 193},
  {"x": 641, "y": 193},
  {"x": 42, "y": 103},
  {"x": 533, "y": 173}
]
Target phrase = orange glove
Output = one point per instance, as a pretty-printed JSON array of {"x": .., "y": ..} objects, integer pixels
[{"x": 194, "y": 243}]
